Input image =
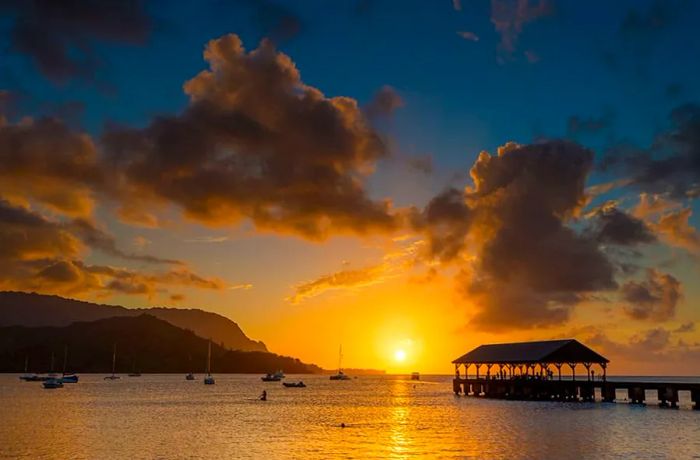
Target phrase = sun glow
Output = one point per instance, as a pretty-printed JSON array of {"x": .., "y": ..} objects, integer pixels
[{"x": 400, "y": 355}]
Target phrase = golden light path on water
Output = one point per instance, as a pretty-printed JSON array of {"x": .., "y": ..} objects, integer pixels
[{"x": 164, "y": 416}]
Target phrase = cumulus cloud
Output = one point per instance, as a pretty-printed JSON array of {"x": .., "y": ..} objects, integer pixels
[
  {"x": 256, "y": 142},
  {"x": 522, "y": 265},
  {"x": 654, "y": 298},
  {"x": 59, "y": 37},
  {"x": 47, "y": 162},
  {"x": 615, "y": 226},
  {"x": 670, "y": 220},
  {"x": 43, "y": 255}
]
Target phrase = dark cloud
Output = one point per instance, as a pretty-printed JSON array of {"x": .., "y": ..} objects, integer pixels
[
  {"x": 421, "y": 163},
  {"x": 671, "y": 164},
  {"x": 445, "y": 221},
  {"x": 47, "y": 162},
  {"x": 385, "y": 102},
  {"x": 614, "y": 226},
  {"x": 509, "y": 18},
  {"x": 256, "y": 142},
  {"x": 524, "y": 265},
  {"x": 38, "y": 254},
  {"x": 654, "y": 298},
  {"x": 59, "y": 36},
  {"x": 577, "y": 126},
  {"x": 685, "y": 327}
]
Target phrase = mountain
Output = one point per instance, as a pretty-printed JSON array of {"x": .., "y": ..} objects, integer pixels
[
  {"x": 144, "y": 343},
  {"x": 35, "y": 310}
]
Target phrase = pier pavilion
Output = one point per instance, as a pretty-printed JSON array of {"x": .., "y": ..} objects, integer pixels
[{"x": 533, "y": 371}]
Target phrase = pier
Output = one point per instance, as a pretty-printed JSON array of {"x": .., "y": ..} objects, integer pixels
[{"x": 533, "y": 371}]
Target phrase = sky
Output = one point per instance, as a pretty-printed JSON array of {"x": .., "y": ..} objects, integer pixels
[{"x": 407, "y": 179}]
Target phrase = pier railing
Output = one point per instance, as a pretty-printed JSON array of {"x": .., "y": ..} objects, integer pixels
[{"x": 572, "y": 390}]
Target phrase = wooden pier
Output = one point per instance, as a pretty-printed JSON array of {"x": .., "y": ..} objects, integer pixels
[{"x": 526, "y": 371}]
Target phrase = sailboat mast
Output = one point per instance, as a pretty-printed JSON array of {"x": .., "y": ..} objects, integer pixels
[
  {"x": 52, "y": 360},
  {"x": 114, "y": 358},
  {"x": 209, "y": 358},
  {"x": 26, "y": 364},
  {"x": 65, "y": 358},
  {"x": 340, "y": 358}
]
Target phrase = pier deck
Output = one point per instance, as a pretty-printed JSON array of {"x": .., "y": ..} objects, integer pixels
[{"x": 573, "y": 390}]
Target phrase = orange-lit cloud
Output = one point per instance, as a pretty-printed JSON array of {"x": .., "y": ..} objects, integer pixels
[
  {"x": 654, "y": 298},
  {"x": 256, "y": 142}
]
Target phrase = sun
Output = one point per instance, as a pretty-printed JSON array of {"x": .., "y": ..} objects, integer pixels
[{"x": 400, "y": 355}]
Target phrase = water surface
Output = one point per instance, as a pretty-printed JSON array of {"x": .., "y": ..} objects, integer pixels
[{"x": 165, "y": 416}]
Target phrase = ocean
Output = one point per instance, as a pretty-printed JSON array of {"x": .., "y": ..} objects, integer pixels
[{"x": 165, "y": 416}]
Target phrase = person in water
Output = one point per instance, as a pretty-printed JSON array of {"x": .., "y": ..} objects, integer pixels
[{"x": 263, "y": 396}]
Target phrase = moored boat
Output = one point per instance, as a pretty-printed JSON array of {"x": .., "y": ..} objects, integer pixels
[
  {"x": 340, "y": 375},
  {"x": 209, "y": 379},
  {"x": 114, "y": 363},
  {"x": 53, "y": 383},
  {"x": 275, "y": 377},
  {"x": 190, "y": 376},
  {"x": 298, "y": 384}
]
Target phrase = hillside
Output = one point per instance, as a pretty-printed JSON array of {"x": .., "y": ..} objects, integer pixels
[
  {"x": 36, "y": 310},
  {"x": 144, "y": 343}
]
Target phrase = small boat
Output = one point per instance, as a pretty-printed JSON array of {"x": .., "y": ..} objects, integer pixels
[
  {"x": 299, "y": 384},
  {"x": 27, "y": 376},
  {"x": 189, "y": 376},
  {"x": 415, "y": 376},
  {"x": 67, "y": 377},
  {"x": 276, "y": 377},
  {"x": 114, "y": 363},
  {"x": 209, "y": 379},
  {"x": 340, "y": 375},
  {"x": 134, "y": 372},
  {"x": 53, "y": 383}
]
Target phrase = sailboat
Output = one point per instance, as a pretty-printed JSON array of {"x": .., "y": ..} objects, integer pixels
[
  {"x": 67, "y": 378},
  {"x": 190, "y": 375},
  {"x": 28, "y": 377},
  {"x": 134, "y": 372},
  {"x": 209, "y": 379},
  {"x": 340, "y": 375},
  {"x": 114, "y": 363},
  {"x": 52, "y": 381}
]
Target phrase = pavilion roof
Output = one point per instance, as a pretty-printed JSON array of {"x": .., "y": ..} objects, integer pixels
[{"x": 547, "y": 351}]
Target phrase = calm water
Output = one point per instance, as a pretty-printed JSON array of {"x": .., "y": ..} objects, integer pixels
[{"x": 164, "y": 416}]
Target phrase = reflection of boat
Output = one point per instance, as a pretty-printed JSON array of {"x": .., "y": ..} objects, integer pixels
[
  {"x": 299, "y": 384},
  {"x": 69, "y": 377},
  {"x": 415, "y": 376},
  {"x": 53, "y": 383},
  {"x": 209, "y": 379},
  {"x": 189, "y": 376},
  {"x": 276, "y": 377},
  {"x": 340, "y": 375},
  {"x": 114, "y": 363}
]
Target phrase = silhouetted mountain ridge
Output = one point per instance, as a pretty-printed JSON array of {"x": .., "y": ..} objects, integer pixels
[
  {"x": 144, "y": 343},
  {"x": 36, "y": 310}
]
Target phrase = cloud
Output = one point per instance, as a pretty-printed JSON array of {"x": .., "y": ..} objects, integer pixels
[
  {"x": 654, "y": 298},
  {"x": 242, "y": 286},
  {"x": 671, "y": 165},
  {"x": 46, "y": 162},
  {"x": 256, "y": 142},
  {"x": 207, "y": 239},
  {"x": 277, "y": 22},
  {"x": 509, "y": 18},
  {"x": 614, "y": 226},
  {"x": 521, "y": 264},
  {"x": 577, "y": 126},
  {"x": 344, "y": 279},
  {"x": 42, "y": 255},
  {"x": 420, "y": 163},
  {"x": 670, "y": 220},
  {"x": 471, "y": 36},
  {"x": 685, "y": 327},
  {"x": 384, "y": 103},
  {"x": 60, "y": 37}
]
